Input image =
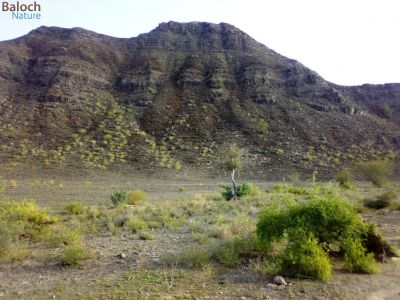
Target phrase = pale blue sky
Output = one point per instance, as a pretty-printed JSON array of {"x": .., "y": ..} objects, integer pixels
[{"x": 346, "y": 41}]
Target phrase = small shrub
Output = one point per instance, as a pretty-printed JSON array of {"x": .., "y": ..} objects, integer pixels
[
  {"x": 64, "y": 235},
  {"x": 14, "y": 252},
  {"x": 219, "y": 232},
  {"x": 74, "y": 254},
  {"x": 247, "y": 189},
  {"x": 154, "y": 224},
  {"x": 146, "y": 236},
  {"x": 136, "y": 196},
  {"x": 233, "y": 252},
  {"x": 242, "y": 190},
  {"x": 21, "y": 221},
  {"x": 378, "y": 171},
  {"x": 262, "y": 127},
  {"x": 226, "y": 192},
  {"x": 230, "y": 252},
  {"x": 267, "y": 266},
  {"x": 136, "y": 224},
  {"x": 310, "y": 156},
  {"x": 25, "y": 212},
  {"x": 93, "y": 212},
  {"x": 278, "y": 188},
  {"x": 387, "y": 111},
  {"x": 345, "y": 178},
  {"x": 382, "y": 201},
  {"x": 227, "y": 254},
  {"x": 200, "y": 238},
  {"x": 194, "y": 257},
  {"x": 298, "y": 190},
  {"x": 119, "y": 197},
  {"x": 76, "y": 208}
]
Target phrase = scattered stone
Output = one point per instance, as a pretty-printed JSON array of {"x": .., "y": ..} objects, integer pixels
[
  {"x": 122, "y": 256},
  {"x": 279, "y": 280},
  {"x": 280, "y": 287},
  {"x": 395, "y": 259}
]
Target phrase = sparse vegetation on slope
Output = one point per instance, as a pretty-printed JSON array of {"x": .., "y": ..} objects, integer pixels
[{"x": 190, "y": 97}]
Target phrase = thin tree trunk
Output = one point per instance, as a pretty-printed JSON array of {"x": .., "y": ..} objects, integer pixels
[{"x": 234, "y": 196}]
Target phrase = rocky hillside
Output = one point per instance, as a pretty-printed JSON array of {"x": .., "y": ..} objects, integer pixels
[{"x": 176, "y": 95}]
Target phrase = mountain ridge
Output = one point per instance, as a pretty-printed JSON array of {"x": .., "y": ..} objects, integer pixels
[{"x": 187, "y": 89}]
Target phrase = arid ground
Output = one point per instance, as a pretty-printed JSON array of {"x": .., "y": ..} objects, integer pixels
[{"x": 125, "y": 263}]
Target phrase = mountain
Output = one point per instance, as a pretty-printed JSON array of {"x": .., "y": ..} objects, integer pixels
[{"x": 176, "y": 95}]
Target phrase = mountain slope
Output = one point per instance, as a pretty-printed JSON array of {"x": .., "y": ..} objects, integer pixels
[{"x": 176, "y": 94}]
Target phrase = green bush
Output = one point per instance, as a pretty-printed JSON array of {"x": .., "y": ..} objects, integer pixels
[
  {"x": 306, "y": 257},
  {"x": 119, "y": 197},
  {"x": 345, "y": 178},
  {"x": 136, "y": 224},
  {"x": 76, "y": 208},
  {"x": 247, "y": 189},
  {"x": 24, "y": 212},
  {"x": 356, "y": 258},
  {"x": 20, "y": 222},
  {"x": 242, "y": 190},
  {"x": 278, "y": 188},
  {"x": 136, "y": 196},
  {"x": 63, "y": 235},
  {"x": 74, "y": 254},
  {"x": 377, "y": 171},
  {"x": 382, "y": 201},
  {"x": 146, "y": 236},
  {"x": 309, "y": 229},
  {"x": 262, "y": 127},
  {"x": 226, "y": 192}
]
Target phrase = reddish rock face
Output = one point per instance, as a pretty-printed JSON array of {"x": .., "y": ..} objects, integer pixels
[{"x": 199, "y": 83}]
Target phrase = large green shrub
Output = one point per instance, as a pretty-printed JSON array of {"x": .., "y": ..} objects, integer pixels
[{"x": 313, "y": 229}]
